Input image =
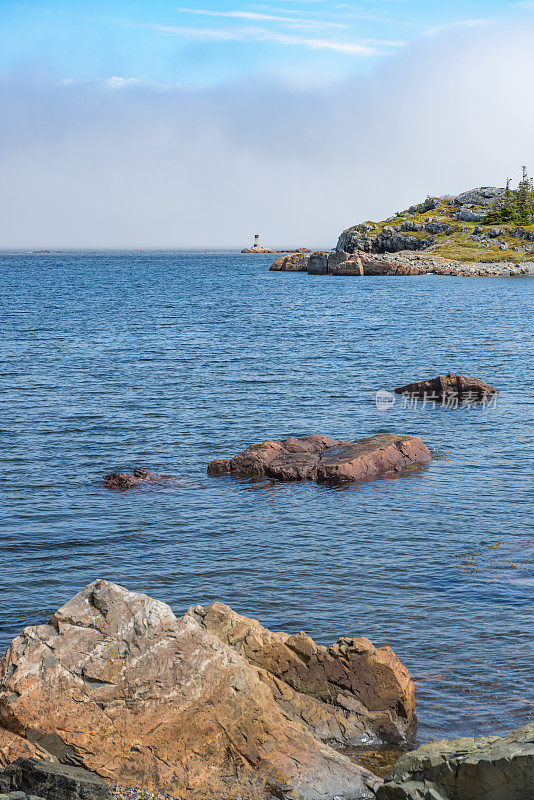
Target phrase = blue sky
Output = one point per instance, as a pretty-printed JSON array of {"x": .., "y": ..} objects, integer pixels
[{"x": 204, "y": 43}]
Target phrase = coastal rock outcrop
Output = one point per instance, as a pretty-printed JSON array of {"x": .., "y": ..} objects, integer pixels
[
  {"x": 210, "y": 704},
  {"x": 402, "y": 263},
  {"x": 128, "y": 480},
  {"x": 458, "y": 229},
  {"x": 52, "y": 780},
  {"x": 324, "y": 460},
  {"x": 294, "y": 262},
  {"x": 489, "y": 768},
  {"x": 449, "y": 386}
]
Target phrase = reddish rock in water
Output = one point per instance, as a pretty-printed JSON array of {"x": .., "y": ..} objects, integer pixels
[
  {"x": 449, "y": 386},
  {"x": 318, "y": 458},
  {"x": 206, "y": 705},
  {"x": 127, "y": 480}
]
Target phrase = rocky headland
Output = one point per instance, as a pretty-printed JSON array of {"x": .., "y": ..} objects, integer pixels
[{"x": 441, "y": 236}]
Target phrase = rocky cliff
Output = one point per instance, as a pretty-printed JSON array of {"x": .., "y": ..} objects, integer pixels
[{"x": 451, "y": 227}]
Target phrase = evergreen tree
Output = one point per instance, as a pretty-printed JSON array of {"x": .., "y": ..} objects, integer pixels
[{"x": 516, "y": 205}]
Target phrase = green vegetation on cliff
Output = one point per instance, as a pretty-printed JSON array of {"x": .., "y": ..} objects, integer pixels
[{"x": 482, "y": 225}]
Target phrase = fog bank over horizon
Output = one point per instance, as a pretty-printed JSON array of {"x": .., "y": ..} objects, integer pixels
[{"x": 121, "y": 163}]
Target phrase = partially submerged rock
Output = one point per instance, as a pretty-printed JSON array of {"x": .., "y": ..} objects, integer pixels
[
  {"x": 127, "y": 480},
  {"x": 207, "y": 705},
  {"x": 450, "y": 385},
  {"x": 318, "y": 458},
  {"x": 489, "y": 768}
]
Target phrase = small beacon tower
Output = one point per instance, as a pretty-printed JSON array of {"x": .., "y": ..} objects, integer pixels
[{"x": 256, "y": 240}]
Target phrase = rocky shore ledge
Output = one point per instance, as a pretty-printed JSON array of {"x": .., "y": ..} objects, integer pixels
[
  {"x": 207, "y": 705},
  {"x": 360, "y": 263},
  {"x": 489, "y": 768}
]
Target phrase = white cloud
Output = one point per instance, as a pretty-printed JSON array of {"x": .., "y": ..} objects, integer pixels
[
  {"x": 82, "y": 164},
  {"x": 256, "y": 16},
  {"x": 256, "y": 34},
  {"x": 462, "y": 23}
]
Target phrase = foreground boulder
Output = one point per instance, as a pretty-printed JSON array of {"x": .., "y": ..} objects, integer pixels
[
  {"x": 318, "y": 458},
  {"x": 207, "y": 705},
  {"x": 449, "y": 386},
  {"x": 127, "y": 480},
  {"x": 489, "y": 768},
  {"x": 52, "y": 780}
]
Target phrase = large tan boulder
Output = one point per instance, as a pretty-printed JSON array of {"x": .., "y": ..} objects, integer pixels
[
  {"x": 349, "y": 693},
  {"x": 324, "y": 460},
  {"x": 207, "y": 705}
]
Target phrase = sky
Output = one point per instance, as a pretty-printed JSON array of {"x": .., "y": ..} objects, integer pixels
[{"x": 157, "y": 124}]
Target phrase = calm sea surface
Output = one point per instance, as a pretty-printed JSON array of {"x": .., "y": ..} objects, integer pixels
[{"x": 168, "y": 360}]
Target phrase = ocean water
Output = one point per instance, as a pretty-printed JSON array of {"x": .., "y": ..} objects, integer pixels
[{"x": 168, "y": 360}]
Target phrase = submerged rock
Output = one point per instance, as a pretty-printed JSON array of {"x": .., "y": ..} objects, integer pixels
[
  {"x": 127, "y": 480},
  {"x": 318, "y": 458},
  {"x": 449, "y": 386},
  {"x": 206, "y": 705},
  {"x": 489, "y": 768}
]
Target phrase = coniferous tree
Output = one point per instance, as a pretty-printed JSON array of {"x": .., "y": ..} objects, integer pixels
[
  {"x": 508, "y": 204},
  {"x": 516, "y": 205}
]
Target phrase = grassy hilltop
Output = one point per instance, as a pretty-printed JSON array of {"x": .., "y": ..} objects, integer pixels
[{"x": 483, "y": 225}]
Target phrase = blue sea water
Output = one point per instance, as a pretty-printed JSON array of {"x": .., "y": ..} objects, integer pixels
[{"x": 168, "y": 360}]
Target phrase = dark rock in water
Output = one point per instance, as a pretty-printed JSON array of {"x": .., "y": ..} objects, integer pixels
[
  {"x": 318, "y": 458},
  {"x": 449, "y": 386},
  {"x": 51, "y": 780},
  {"x": 127, "y": 480},
  {"x": 207, "y": 705},
  {"x": 489, "y": 768}
]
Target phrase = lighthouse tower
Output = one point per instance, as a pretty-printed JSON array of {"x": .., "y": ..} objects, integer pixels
[{"x": 256, "y": 240}]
